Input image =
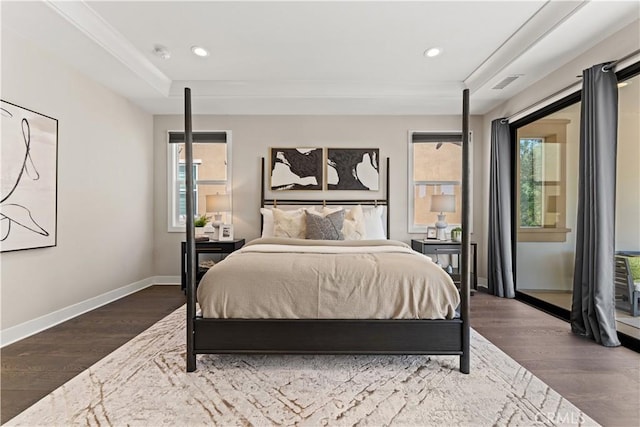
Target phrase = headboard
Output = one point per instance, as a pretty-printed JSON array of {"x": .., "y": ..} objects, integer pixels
[{"x": 325, "y": 202}]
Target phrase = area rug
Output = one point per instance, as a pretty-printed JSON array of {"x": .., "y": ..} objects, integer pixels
[{"x": 144, "y": 383}]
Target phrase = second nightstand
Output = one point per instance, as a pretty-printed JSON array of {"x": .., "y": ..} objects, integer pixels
[
  {"x": 210, "y": 247},
  {"x": 443, "y": 247}
]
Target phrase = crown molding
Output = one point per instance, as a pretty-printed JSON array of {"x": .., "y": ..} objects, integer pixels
[
  {"x": 542, "y": 23},
  {"x": 86, "y": 20}
]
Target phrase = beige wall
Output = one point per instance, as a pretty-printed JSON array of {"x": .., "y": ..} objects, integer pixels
[
  {"x": 105, "y": 198},
  {"x": 617, "y": 46},
  {"x": 253, "y": 135}
]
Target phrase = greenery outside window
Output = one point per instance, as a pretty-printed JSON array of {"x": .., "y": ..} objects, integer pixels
[
  {"x": 541, "y": 174},
  {"x": 211, "y": 154}
]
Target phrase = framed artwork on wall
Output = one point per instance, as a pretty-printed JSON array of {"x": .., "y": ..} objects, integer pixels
[
  {"x": 29, "y": 165},
  {"x": 296, "y": 169},
  {"x": 353, "y": 169}
]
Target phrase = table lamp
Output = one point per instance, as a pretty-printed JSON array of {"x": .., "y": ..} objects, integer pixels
[
  {"x": 216, "y": 204},
  {"x": 442, "y": 203}
]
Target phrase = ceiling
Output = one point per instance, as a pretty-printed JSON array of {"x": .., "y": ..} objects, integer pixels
[{"x": 322, "y": 57}]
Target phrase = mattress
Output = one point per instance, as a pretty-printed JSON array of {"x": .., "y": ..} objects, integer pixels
[{"x": 277, "y": 278}]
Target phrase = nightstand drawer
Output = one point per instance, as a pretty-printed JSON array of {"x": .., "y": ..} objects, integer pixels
[
  {"x": 440, "y": 247},
  {"x": 211, "y": 247}
]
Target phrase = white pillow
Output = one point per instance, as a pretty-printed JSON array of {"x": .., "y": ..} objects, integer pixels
[
  {"x": 268, "y": 227},
  {"x": 290, "y": 224},
  {"x": 373, "y": 223},
  {"x": 353, "y": 227}
]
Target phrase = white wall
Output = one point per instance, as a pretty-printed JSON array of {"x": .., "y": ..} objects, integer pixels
[
  {"x": 555, "y": 276},
  {"x": 105, "y": 182},
  {"x": 253, "y": 135}
]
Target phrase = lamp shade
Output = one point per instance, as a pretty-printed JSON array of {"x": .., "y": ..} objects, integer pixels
[
  {"x": 218, "y": 203},
  {"x": 443, "y": 203}
]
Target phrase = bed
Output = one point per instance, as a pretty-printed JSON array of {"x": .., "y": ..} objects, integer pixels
[
  {"x": 315, "y": 329},
  {"x": 284, "y": 278}
]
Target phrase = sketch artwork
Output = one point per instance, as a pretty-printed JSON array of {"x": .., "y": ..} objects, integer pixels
[
  {"x": 296, "y": 168},
  {"x": 353, "y": 169},
  {"x": 28, "y": 190}
]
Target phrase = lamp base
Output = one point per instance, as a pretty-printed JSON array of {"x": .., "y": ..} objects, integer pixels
[
  {"x": 216, "y": 223},
  {"x": 441, "y": 225}
]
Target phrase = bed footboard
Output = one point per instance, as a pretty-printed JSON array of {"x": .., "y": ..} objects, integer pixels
[{"x": 329, "y": 336}]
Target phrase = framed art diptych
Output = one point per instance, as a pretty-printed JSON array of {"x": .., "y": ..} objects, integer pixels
[
  {"x": 353, "y": 169},
  {"x": 296, "y": 168},
  {"x": 29, "y": 162}
]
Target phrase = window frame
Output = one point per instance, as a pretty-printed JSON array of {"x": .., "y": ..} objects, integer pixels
[
  {"x": 412, "y": 227},
  {"x": 173, "y": 184},
  {"x": 545, "y": 232}
]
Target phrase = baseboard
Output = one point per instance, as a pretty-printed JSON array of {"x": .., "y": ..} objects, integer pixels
[
  {"x": 166, "y": 280},
  {"x": 31, "y": 327}
]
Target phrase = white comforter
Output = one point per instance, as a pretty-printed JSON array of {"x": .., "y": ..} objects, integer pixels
[{"x": 298, "y": 279}]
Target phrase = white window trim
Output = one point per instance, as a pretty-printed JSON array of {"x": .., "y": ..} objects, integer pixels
[
  {"x": 172, "y": 186},
  {"x": 412, "y": 228}
]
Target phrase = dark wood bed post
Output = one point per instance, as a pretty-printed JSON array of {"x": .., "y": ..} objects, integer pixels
[
  {"x": 190, "y": 231},
  {"x": 261, "y": 191},
  {"x": 388, "y": 197},
  {"x": 465, "y": 311}
]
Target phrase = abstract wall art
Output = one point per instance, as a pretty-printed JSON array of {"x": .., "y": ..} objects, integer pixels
[
  {"x": 28, "y": 190},
  {"x": 296, "y": 168},
  {"x": 353, "y": 169}
]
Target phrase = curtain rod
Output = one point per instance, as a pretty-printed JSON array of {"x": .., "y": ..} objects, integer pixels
[
  {"x": 543, "y": 100},
  {"x": 612, "y": 64},
  {"x": 605, "y": 68}
]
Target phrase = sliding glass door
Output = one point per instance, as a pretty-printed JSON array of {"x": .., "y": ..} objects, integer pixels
[
  {"x": 546, "y": 188},
  {"x": 546, "y": 198}
]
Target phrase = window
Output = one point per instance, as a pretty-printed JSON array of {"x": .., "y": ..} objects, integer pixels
[
  {"x": 541, "y": 173},
  {"x": 211, "y": 154},
  {"x": 435, "y": 167},
  {"x": 182, "y": 190},
  {"x": 531, "y": 188}
]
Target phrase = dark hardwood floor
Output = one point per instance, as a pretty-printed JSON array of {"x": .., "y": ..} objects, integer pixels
[
  {"x": 35, "y": 366},
  {"x": 603, "y": 382}
]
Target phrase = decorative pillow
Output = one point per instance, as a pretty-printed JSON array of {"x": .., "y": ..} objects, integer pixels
[
  {"x": 373, "y": 223},
  {"x": 354, "y": 226},
  {"x": 267, "y": 223},
  {"x": 329, "y": 227},
  {"x": 289, "y": 223}
]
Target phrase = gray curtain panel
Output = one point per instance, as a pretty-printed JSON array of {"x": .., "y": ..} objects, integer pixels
[
  {"x": 593, "y": 308},
  {"x": 500, "y": 267}
]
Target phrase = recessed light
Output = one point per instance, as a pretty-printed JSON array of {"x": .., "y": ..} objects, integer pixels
[
  {"x": 432, "y": 52},
  {"x": 200, "y": 51},
  {"x": 161, "y": 51}
]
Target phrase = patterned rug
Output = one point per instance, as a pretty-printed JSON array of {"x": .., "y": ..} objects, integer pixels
[{"x": 144, "y": 383}]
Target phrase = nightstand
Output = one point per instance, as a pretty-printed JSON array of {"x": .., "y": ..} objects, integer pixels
[
  {"x": 448, "y": 247},
  {"x": 210, "y": 247}
]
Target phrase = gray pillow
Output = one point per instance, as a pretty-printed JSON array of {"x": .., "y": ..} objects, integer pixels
[{"x": 325, "y": 227}]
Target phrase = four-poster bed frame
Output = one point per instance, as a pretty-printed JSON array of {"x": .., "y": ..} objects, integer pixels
[{"x": 327, "y": 336}]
